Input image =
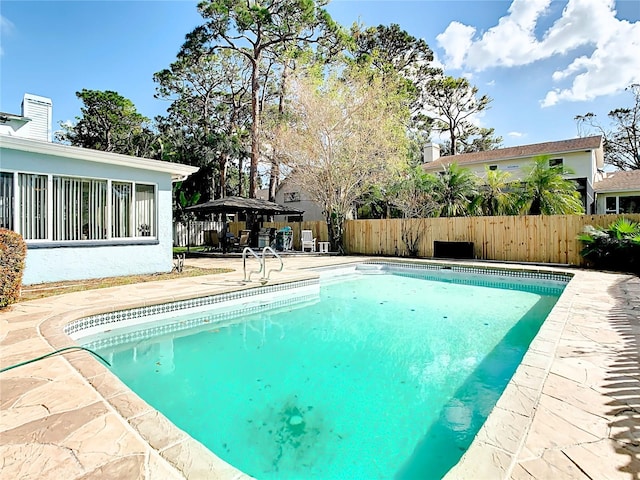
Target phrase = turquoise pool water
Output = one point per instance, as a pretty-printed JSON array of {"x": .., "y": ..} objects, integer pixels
[{"x": 380, "y": 376}]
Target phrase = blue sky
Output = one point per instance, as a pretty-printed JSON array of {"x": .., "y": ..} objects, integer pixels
[{"x": 543, "y": 62}]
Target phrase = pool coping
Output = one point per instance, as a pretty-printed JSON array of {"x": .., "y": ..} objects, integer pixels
[{"x": 499, "y": 451}]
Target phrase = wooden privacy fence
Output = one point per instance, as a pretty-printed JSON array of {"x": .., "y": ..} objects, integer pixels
[{"x": 538, "y": 239}]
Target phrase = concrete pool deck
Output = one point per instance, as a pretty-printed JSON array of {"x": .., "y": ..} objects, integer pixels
[{"x": 571, "y": 411}]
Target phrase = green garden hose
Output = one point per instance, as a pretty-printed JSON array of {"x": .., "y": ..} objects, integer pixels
[{"x": 75, "y": 347}]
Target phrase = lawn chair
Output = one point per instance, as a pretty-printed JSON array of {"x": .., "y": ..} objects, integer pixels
[
  {"x": 211, "y": 239},
  {"x": 245, "y": 239},
  {"x": 308, "y": 240}
]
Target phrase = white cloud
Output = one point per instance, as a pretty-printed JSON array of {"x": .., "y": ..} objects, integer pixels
[
  {"x": 516, "y": 134},
  {"x": 456, "y": 41},
  {"x": 612, "y": 64},
  {"x": 6, "y": 27}
]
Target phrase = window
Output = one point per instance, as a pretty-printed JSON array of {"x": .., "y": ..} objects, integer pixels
[
  {"x": 555, "y": 162},
  {"x": 133, "y": 210},
  {"x": 121, "y": 200},
  {"x": 145, "y": 210},
  {"x": 292, "y": 196},
  {"x": 6, "y": 200},
  {"x": 57, "y": 208},
  {"x": 630, "y": 204},
  {"x": 493, "y": 167},
  {"x": 79, "y": 209},
  {"x": 32, "y": 207}
]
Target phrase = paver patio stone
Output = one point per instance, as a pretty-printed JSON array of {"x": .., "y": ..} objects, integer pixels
[
  {"x": 553, "y": 464},
  {"x": 605, "y": 459},
  {"x": 55, "y": 414}
]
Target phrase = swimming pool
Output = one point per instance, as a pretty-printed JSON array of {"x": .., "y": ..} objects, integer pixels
[{"x": 317, "y": 392}]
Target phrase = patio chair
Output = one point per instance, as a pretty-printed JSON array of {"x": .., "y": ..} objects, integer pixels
[
  {"x": 308, "y": 240},
  {"x": 211, "y": 239},
  {"x": 245, "y": 239}
]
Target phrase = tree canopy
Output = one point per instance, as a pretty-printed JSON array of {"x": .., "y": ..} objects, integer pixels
[
  {"x": 453, "y": 102},
  {"x": 622, "y": 138},
  {"x": 111, "y": 123},
  {"x": 252, "y": 29},
  {"x": 547, "y": 192},
  {"x": 346, "y": 133}
]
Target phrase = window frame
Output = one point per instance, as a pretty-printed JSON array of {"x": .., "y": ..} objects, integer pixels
[
  {"x": 291, "y": 197},
  {"x": 617, "y": 198},
  {"x": 556, "y": 162},
  {"x": 17, "y": 218}
]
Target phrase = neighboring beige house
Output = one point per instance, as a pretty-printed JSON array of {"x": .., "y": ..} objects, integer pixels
[
  {"x": 601, "y": 192},
  {"x": 290, "y": 194},
  {"x": 618, "y": 192},
  {"x": 584, "y": 156}
]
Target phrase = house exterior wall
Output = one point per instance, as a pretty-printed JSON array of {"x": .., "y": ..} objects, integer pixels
[
  {"x": 49, "y": 261},
  {"x": 286, "y": 196},
  {"x": 583, "y": 165}
]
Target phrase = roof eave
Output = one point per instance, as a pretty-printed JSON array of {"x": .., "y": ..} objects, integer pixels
[
  {"x": 617, "y": 190},
  {"x": 178, "y": 171}
]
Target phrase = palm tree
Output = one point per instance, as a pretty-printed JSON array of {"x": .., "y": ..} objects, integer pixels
[
  {"x": 497, "y": 194},
  {"x": 457, "y": 192},
  {"x": 547, "y": 192}
]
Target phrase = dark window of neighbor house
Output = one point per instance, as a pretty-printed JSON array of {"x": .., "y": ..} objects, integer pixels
[
  {"x": 493, "y": 167},
  {"x": 295, "y": 218},
  {"x": 292, "y": 197},
  {"x": 555, "y": 162},
  {"x": 629, "y": 204},
  {"x": 611, "y": 205},
  {"x": 6, "y": 200}
]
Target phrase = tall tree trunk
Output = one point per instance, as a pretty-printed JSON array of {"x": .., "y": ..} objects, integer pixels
[
  {"x": 224, "y": 160},
  {"x": 275, "y": 166},
  {"x": 255, "y": 126}
]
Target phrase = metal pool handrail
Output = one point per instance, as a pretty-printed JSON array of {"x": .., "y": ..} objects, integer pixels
[
  {"x": 246, "y": 250},
  {"x": 263, "y": 263}
]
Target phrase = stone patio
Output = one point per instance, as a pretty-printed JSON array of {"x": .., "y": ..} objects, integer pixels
[{"x": 571, "y": 411}]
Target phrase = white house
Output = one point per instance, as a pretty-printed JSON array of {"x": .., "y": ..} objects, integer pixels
[
  {"x": 583, "y": 156},
  {"x": 83, "y": 213},
  {"x": 619, "y": 192}
]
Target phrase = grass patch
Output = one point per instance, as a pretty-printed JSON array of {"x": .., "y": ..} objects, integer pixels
[
  {"x": 191, "y": 249},
  {"x": 43, "y": 290}
]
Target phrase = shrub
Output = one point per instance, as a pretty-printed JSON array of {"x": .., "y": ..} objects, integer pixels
[
  {"x": 13, "y": 251},
  {"x": 616, "y": 247}
]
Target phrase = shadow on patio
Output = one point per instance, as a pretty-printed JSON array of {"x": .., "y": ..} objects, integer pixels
[{"x": 623, "y": 375}]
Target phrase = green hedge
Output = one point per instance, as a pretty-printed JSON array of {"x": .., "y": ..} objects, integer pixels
[
  {"x": 616, "y": 247},
  {"x": 13, "y": 251}
]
